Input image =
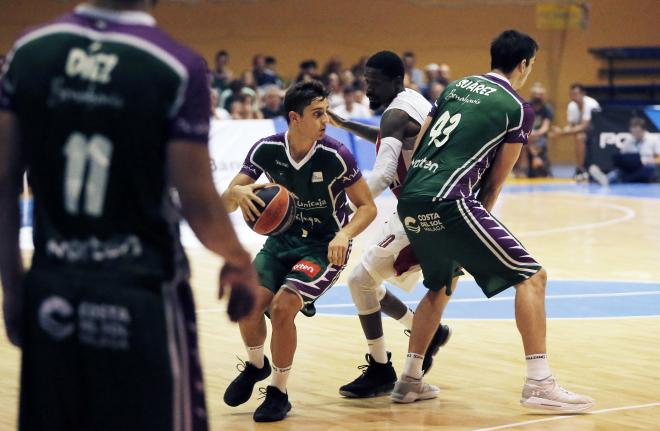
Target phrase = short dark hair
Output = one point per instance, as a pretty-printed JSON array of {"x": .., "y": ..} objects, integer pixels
[
  {"x": 388, "y": 63},
  {"x": 301, "y": 94},
  {"x": 408, "y": 54},
  {"x": 221, "y": 53},
  {"x": 510, "y": 48},
  {"x": 637, "y": 122},
  {"x": 578, "y": 86}
]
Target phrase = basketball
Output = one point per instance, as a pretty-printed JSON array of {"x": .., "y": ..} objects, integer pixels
[{"x": 278, "y": 214}]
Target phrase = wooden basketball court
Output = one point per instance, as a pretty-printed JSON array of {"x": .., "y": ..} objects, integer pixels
[{"x": 601, "y": 249}]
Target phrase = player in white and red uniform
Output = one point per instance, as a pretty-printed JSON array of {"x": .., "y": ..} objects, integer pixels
[{"x": 391, "y": 258}]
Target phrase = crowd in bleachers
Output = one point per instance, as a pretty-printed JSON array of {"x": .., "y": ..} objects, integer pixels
[{"x": 258, "y": 92}]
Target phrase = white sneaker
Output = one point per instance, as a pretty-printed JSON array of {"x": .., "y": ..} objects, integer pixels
[
  {"x": 548, "y": 395},
  {"x": 598, "y": 175},
  {"x": 409, "y": 390}
]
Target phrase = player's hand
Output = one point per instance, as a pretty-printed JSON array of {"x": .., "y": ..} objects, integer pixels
[
  {"x": 242, "y": 281},
  {"x": 338, "y": 248},
  {"x": 12, "y": 311},
  {"x": 335, "y": 119},
  {"x": 247, "y": 200}
]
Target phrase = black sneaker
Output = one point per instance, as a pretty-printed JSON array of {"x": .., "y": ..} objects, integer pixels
[
  {"x": 376, "y": 379},
  {"x": 275, "y": 406},
  {"x": 240, "y": 390},
  {"x": 439, "y": 339}
]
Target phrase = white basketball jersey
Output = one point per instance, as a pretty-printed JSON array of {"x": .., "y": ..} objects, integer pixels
[{"x": 417, "y": 108}]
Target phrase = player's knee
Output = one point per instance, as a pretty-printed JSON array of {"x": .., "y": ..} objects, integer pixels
[
  {"x": 363, "y": 290},
  {"x": 284, "y": 307}
]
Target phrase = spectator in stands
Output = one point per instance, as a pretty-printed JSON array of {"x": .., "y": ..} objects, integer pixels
[
  {"x": 243, "y": 107},
  {"x": 217, "y": 112},
  {"x": 434, "y": 90},
  {"x": 271, "y": 68},
  {"x": 333, "y": 84},
  {"x": 350, "y": 108},
  {"x": 536, "y": 152},
  {"x": 261, "y": 73},
  {"x": 221, "y": 75},
  {"x": 334, "y": 65},
  {"x": 578, "y": 115},
  {"x": 445, "y": 73},
  {"x": 359, "y": 91},
  {"x": 309, "y": 71},
  {"x": 637, "y": 161},
  {"x": 272, "y": 102},
  {"x": 413, "y": 75}
]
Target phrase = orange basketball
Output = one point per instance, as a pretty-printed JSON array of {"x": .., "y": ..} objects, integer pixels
[{"x": 278, "y": 214}]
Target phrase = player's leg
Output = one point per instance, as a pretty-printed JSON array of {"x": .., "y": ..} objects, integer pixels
[
  {"x": 253, "y": 328},
  {"x": 394, "y": 259},
  {"x": 497, "y": 260},
  {"x": 378, "y": 377},
  {"x": 438, "y": 269},
  {"x": 541, "y": 391},
  {"x": 283, "y": 310},
  {"x": 308, "y": 279}
]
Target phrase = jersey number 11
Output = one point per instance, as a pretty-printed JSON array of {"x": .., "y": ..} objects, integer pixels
[{"x": 87, "y": 164}]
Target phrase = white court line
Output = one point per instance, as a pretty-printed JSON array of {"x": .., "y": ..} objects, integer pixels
[
  {"x": 556, "y": 418},
  {"x": 511, "y": 298},
  {"x": 628, "y": 214}
]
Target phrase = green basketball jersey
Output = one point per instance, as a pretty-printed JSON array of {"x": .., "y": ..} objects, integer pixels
[
  {"x": 98, "y": 98},
  {"x": 471, "y": 118},
  {"x": 317, "y": 182}
]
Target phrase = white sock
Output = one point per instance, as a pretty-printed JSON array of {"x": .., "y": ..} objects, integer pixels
[
  {"x": 413, "y": 366},
  {"x": 537, "y": 366},
  {"x": 280, "y": 376},
  {"x": 377, "y": 350},
  {"x": 407, "y": 320},
  {"x": 256, "y": 355}
]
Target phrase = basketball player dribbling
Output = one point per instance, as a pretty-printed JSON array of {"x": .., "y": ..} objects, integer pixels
[
  {"x": 299, "y": 265},
  {"x": 392, "y": 257}
]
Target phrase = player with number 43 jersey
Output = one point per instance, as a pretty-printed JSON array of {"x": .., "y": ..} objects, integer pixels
[{"x": 467, "y": 148}]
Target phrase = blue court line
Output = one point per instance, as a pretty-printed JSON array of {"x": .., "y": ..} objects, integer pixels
[
  {"x": 564, "y": 299},
  {"x": 648, "y": 191}
]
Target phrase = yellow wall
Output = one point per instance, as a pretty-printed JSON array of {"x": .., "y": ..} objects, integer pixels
[{"x": 293, "y": 30}]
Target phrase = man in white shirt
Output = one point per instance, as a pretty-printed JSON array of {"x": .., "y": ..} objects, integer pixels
[
  {"x": 578, "y": 116},
  {"x": 637, "y": 161},
  {"x": 351, "y": 108}
]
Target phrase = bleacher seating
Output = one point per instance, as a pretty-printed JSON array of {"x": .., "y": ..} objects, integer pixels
[{"x": 632, "y": 62}]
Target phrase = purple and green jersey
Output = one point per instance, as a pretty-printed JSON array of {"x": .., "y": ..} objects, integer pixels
[
  {"x": 470, "y": 120},
  {"x": 317, "y": 182},
  {"x": 99, "y": 96}
]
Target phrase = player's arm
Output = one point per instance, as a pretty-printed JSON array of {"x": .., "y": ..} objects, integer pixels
[
  {"x": 364, "y": 131},
  {"x": 571, "y": 129},
  {"x": 11, "y": 265},
  {"x": 207, "y": 215},
  {"x": 422, "y": 131},
  {"x": 491, "y": 185},
  {"x": 241, "y": 193},
  {"x": 359, "y": 194},
  {"x": 393, "y": 128}
]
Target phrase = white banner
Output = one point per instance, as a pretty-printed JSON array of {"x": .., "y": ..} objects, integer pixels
[{"x": 229, "y": 143}]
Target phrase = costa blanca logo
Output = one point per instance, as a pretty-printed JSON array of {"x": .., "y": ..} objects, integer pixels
[
  {"x": 307, "y": 267},
  {"x": 55, "y": 317},
  {"x": 411, "y": 224}
]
